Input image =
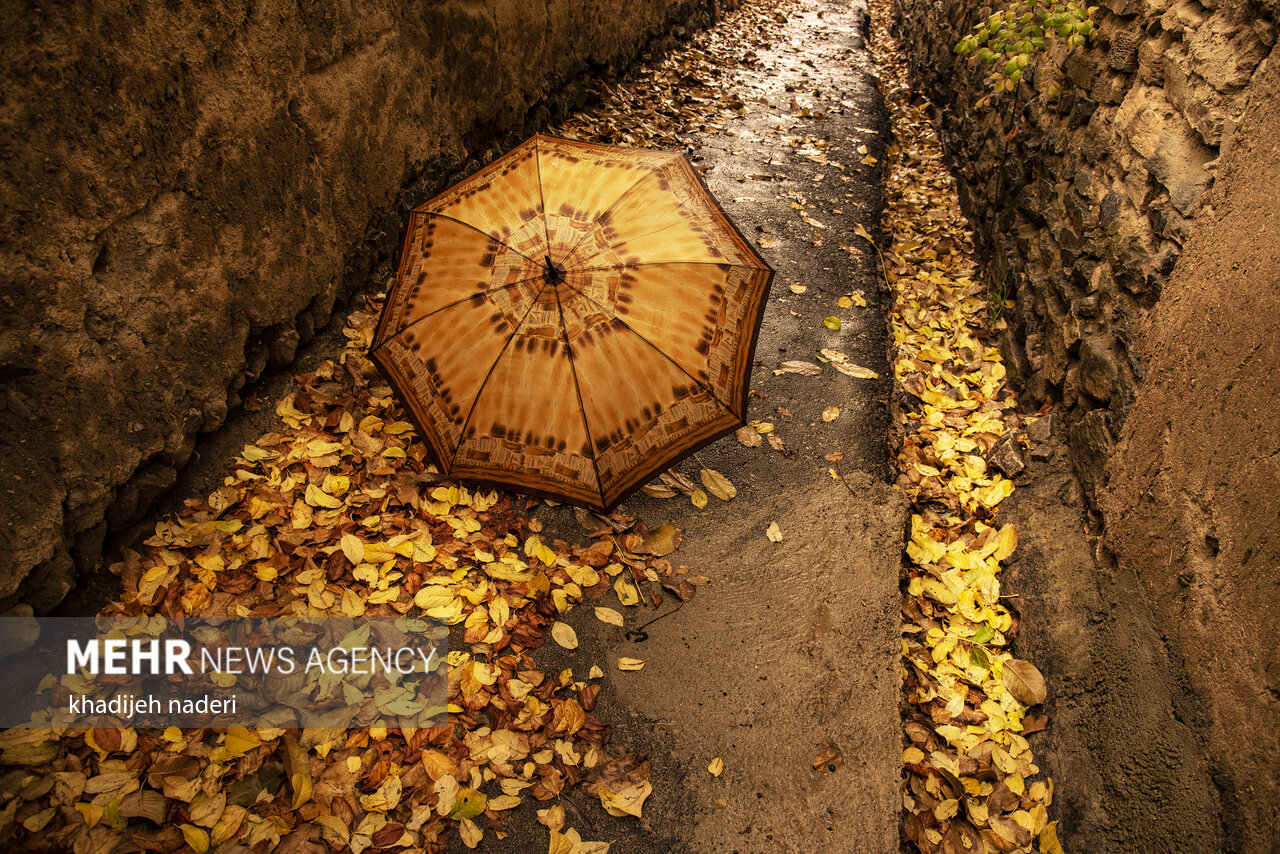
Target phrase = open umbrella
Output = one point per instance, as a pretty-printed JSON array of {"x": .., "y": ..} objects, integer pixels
[{"x": 572, "y": 319}]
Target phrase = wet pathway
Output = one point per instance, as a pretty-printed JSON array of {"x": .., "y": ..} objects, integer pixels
[{"x": 788, "y": 654}]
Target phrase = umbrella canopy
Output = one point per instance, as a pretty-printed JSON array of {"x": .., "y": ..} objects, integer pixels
[{"x": 572, "y": 319}]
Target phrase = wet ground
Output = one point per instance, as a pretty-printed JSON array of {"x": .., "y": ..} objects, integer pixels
[{"x": 790, "y": 646}]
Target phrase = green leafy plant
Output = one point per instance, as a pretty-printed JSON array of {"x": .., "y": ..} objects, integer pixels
[{"x": 1008, "y": 39}]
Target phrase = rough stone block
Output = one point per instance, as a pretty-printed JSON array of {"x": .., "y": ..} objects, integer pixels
[
  {"x": 1225, "y": 53},
  {"x": 1099, "y": 370}
]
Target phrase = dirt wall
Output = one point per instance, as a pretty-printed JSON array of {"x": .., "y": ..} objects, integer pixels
[
  {"x": 1134, "y": 217},
  {"x": 1191, "y": 500},
  {"x": 186, "y": 189}
]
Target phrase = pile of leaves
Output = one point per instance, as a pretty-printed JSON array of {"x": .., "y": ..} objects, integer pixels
[
  {"x": 339, "y": 513},
  {"x": 968, "y": 783}
]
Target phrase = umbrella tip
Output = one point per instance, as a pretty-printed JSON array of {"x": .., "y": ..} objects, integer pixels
[{"x": 552, "y": 274}]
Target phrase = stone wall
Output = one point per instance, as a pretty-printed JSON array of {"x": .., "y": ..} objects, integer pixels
[
  {"x": 1135, "y": 218},
  {"x": 1082, "y": 201},
  {"x": 187, "y": 189}
]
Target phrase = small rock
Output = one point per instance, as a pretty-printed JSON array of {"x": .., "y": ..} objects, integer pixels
[
  {"x": 1006, "y": 457},
  {"x": 1041, "y": 429}
]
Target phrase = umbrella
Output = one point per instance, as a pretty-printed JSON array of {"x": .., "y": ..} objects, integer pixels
[{"x": 571, "y": 320}]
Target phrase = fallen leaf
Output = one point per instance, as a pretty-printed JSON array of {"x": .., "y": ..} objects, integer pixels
[
  {"x": 798, "y": 289},
  {"x": 828, "y": 757},
  {"x": 831, "y": 413},
  {"x": 699, "y": 498},
  {"x": 718, "y": 485},
  {"x": 832, "y": 323},
  {"x": 716, "y": 768},
  {"x": 608, "y": 615},
  {"x": 468, "y": 803},
  {"x": 631, "y": 663},
  {"x": 564, "y": 635},
  {"x": 1024, "y": 682},
  {"x": 196, "y": 837},
  {"x": 795, "y": 366},
  {"x": 773, "y": 532},
  {"x": 661, "y": 541},
  {"x": 749, "y": 437}
]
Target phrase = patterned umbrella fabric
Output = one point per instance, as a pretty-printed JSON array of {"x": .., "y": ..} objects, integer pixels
[{"x": 571, "y": 320}]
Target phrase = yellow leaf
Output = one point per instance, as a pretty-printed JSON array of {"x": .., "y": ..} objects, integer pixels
[
  {"x": 631, "y": 663},
  {"x": 1007, "y": 541},
  {"x": 831, "y": 413},
  {"x": 718, "y": 485},
  {"x": 317, "y": 497},
  {"x": 862, "y": 232},
  {"x": 627, "y": 593},
  {"x": 832, "y": 323},
  {"x": 470, "y": 832},
  {"x": 196, "y": 837},
  {"x": 468, "y": 804},
  {"x": 503, "y": 802},
  {"x": 563, "y": 634},
  {"x": 716, "y": 768},
  {"x": 698, "y": 497},
  {"x": 798, "y": 289},
  {"x": 1049, "y": 843},
  {"x": 353, "y": 548},
  {"x": 240, "y": 741},
  {"x": 608, "y": 615},
  {"x": 774, "y": 533},
  {"x": 844, "y": 302}
]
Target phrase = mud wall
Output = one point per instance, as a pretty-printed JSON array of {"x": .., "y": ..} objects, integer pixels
[
  {"x": 187, "y": 189},
  {"x": 1134, "y": 218}
]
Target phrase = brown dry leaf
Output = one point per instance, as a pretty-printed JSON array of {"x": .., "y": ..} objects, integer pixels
[
  {"x": 749, "y": 437},
  {"x": 829, "y": 757},
  {"x": 796, "y": 366},
  {"x": 718, "y": 485},
  {"x": 1024, "y": 682},
  {"x": 844, "y": 365}
]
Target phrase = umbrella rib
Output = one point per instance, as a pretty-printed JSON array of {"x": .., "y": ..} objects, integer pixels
[
  {"x": 670, "y": 264},
  {"x": 434, "y": 312},
  {"x": 658, "y": 350},
  {"x": 479, "y": 391},
  {"x": 586, "y": 424},
  {"x": 479, "y": 230},
  {"x": 542, "y": 197}
]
